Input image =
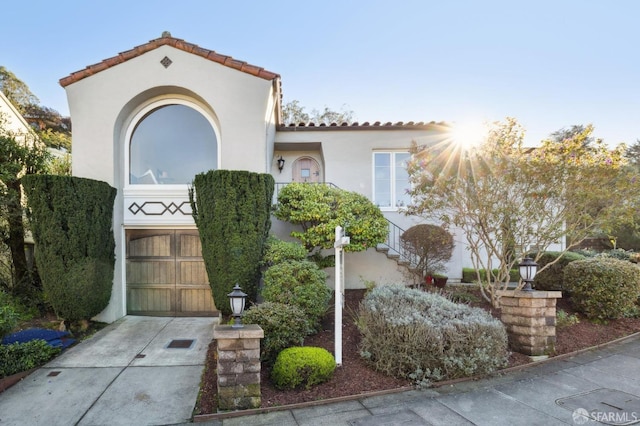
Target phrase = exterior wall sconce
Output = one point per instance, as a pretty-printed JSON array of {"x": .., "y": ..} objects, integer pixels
[
  {"x": 237, "y": 300},
  {"x": 528, "y": 269},
  {"x": 280, "y": 163}
]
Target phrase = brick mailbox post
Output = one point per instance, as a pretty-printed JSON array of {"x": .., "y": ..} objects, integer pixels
[
  {"x": 530, "y": 319},
  {"x": 238, "y": 366}
]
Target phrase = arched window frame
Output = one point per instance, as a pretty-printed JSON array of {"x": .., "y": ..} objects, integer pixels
[{"x": 140, "y": 115}]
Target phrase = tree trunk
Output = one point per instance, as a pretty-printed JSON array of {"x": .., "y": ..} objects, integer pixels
[{"x": 22, "y": 273}]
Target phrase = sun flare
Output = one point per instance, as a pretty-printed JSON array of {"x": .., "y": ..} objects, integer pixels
[{"x": 468, "y": 134}]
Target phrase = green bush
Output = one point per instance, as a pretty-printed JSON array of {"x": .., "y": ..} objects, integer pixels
[
  {"x": 408, "y": 333},
  {"x": 71, "y": 219},
  {"x": 278, "y": 251},
  {"x": 19, "y": 357},
  {"x": 299, "y": 283},
  {"x": 469, "y": 275},
  {"x": 551, "y": 279},
  {"x": 232, "y": 210},
  {"x": 603, "y": 288},
  {"x": 283, "y": 325},
  {"x": 564, "y": 319},
  {"x": 620, "y": 254},
  {"x": 8, "y": 315},
  {"x": 302, "y": 366}
]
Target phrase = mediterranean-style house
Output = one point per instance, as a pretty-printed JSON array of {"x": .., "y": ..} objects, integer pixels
[{"x": 150, "y": 118}]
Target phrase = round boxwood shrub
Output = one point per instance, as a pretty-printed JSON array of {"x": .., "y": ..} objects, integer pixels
[
  {"x": 408, "y": 333},
  {"x": 551, "y": 279},
  {"x": 603, "y": 288},
  {"x": 278, "y": 251},
  {"x": 302, "y": 366},
  {"x": 283, "y": 325},
  {"x": 300, "y": 283}
]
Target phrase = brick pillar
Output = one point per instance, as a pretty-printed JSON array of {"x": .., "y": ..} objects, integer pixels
[
  {"x": 530, "y": 319},
  {"x": 238, "y": 366}
]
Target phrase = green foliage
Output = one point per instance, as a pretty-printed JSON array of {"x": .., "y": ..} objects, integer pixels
[
  {"x": 298, "y": 283},
  {"x": 506, "y": 197},
  {"x": 18, "y": 357},
  {"x": 431, "y": 245},
  {"x": 409, "y": 333},
  {"x": 564, "y": 319},
  {"x": 551, "y": 278},
  {"x": 469, "y": 275},
  {"x": 294, "y": 113},
  {"x": 283, "y": 325},
  {"x": 232, "y": 209},
  {"x": 8, "y": 315},
  {"x": 278, "y": 251},
  {"x": 302, "y": 366},
  {"x": 615, "y": 254},
  {"x": 319, "y": 208},
  {"x": 603, "y": 288},
  {"x": 72, "y": 227}
]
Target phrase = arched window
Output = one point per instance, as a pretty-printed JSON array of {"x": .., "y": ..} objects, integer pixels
[{"x": 170, "y": 145}]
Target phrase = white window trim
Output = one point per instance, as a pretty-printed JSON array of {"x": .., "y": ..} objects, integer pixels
[{"x": 393, "y": 207}]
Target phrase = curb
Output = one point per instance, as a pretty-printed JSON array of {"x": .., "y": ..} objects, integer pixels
[{"x": 241, "y": 413}]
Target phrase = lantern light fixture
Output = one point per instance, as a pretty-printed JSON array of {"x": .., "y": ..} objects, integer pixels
[
  {"x": 280, "y": 163},
  {"x": 237, "y": 300},
  {"x": 528, "y": 269}
]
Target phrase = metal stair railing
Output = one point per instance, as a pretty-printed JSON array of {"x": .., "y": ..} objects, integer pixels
[{"x": 392, "y": 245}]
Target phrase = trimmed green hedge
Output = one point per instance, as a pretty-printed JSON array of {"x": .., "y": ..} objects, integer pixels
[
  {"x": 469, "y": 275},
  {"x": 278, "y": 251},
  {"x": 302, "y": 366},
  {"x": 71, "y": 219},
  {"x": 603, "y": 288},
  {"x": 232, "y": 209},
  {"x": 552, "y": 278}
]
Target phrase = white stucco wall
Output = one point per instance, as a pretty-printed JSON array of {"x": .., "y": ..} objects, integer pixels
[
  {"x": 102, "y": 107},
  {"x": 10, "y": 118}
]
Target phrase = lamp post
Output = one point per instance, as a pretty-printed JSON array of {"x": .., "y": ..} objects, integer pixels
[
  {"x": 528, "y": 269},
  {"x": 237, "y": 301}
]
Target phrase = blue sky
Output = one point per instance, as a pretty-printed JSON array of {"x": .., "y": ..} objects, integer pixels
[{"x": 549, "y": 64}]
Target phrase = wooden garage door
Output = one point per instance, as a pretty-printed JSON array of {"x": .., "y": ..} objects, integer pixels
[{"x": 166, "y": 275}]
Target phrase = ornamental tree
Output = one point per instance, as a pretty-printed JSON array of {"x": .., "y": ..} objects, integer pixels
[
  {"x": 430, "y": 245},
  {"x": 319, "y": 208},
  {"x": 509, "y": 200}
]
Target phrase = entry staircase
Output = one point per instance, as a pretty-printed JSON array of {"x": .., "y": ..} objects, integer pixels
[{"x": 392, "y": 246}]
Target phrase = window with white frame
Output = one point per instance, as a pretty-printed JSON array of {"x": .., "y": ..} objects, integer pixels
[{"x": 391, "y": 179}]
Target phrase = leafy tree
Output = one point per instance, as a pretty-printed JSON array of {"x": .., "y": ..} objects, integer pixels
[
  {"x": 16, "y": 90},
  {"x": 319, "y": 208},
  {"x": 21, "y": 155},
  {"x": 431, "y": 245},
  {"x": 294, "y": 113},
  {"x": 509, "y": 200}
]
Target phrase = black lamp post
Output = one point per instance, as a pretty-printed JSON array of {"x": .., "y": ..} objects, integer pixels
[
  {"x": 280, "y": 163},
  {"x": 528, "y": 269},
  {"x": 237, "y": 301}
]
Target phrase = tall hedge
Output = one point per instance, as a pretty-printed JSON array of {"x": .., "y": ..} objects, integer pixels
[
  {"x": 72, "y": 224},
  {"x": 232, "y": 209}
]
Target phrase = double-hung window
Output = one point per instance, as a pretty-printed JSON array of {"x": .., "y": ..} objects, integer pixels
[{"x": 391, "y": 179}]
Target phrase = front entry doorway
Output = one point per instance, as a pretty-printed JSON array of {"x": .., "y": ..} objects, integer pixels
[{"x": 166, "y": 275}]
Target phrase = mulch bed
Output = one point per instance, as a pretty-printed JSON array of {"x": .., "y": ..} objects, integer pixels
[{"x": 354, "y": 377}]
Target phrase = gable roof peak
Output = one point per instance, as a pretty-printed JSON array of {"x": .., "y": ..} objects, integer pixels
[{"x": 167, "y": 40}]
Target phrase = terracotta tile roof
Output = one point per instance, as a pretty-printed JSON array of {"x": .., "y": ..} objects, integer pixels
[
  {"x": 410, "y": 125},
  {"x": 178, "y": 44}
]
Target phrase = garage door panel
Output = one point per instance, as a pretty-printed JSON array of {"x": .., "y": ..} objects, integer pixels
[{"x": 166, "y": 274}]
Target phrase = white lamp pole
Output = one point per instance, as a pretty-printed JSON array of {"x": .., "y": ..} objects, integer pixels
[{"x": 340, "y": 241}]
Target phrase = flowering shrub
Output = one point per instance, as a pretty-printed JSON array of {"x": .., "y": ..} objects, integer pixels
[
  {"x": 283, "y": 325},
  {"x": 306, "y": 366},
  {"x": 408, "y": 333},
  {"x": 603, "y": 288}
]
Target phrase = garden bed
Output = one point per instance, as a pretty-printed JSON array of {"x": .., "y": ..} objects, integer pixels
[{"x": 355, "y": 377}]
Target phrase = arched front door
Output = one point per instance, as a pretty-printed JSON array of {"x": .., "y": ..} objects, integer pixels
[{"x": 306, "y": 169}]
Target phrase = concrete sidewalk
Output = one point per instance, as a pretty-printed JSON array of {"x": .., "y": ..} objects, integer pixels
[
  {"x": 601, "y": 384},
  {"x": 129, "y": 373}
]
